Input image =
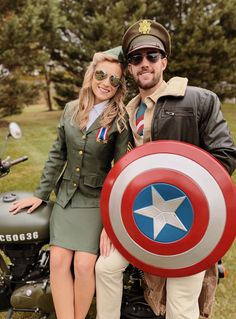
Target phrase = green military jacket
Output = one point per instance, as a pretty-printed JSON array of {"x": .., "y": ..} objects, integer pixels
[{"x": 78, "y": 162}]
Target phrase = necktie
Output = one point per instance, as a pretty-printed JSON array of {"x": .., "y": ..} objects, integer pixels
[{"x": 140, "y": 118}]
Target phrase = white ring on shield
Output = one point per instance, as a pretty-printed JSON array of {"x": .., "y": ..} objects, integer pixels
[{"x": 204, "y": 180}]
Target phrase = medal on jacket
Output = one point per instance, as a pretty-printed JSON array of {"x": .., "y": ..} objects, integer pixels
[{"x": 102, "y": 135}]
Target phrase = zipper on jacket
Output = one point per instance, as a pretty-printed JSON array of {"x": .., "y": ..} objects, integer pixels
[{"x": 169, "y": 113}]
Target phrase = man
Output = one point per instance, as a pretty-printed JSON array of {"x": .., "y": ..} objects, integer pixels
[{"x": 163, "y": 111}]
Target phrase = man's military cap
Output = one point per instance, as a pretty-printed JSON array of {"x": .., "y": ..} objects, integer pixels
[{"x": 146, "y": 34}]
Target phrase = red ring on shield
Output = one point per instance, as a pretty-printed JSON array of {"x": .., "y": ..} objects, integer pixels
[
  {"x": 172, "y": 177},
  {"x": 212, "y": 167}
]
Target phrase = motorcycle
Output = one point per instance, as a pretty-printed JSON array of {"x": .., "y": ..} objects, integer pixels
[
  {"x": 24, "y": 254},
  {"x": 24, "y": 258}
]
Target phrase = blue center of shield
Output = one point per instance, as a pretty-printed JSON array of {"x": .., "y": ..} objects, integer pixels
[{"x": 163, "y": 212}]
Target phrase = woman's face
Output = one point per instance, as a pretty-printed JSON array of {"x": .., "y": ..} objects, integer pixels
[{"x": 105, "y": 81}]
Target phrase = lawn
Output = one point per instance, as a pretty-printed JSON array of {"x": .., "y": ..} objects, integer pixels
[{"x": 39, "y": 131}]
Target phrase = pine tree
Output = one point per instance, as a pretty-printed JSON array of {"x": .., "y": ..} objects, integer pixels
[
  {"x": 29, "y": 34},
  {"x": 227, "y": 13},
  {"x": 91, "y": 27},
  {"x": 13, "y": 31},
  {"x": 58, "y": 39},
  {"x": 203, "y": 41}
]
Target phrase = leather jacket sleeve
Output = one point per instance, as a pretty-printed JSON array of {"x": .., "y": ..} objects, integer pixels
[
  {"x": 215, "y": 133},
  {"x": 195, "y": 118}
]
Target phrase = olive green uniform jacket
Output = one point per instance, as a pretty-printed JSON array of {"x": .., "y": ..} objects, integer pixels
[{"x": 78, "y": 163}]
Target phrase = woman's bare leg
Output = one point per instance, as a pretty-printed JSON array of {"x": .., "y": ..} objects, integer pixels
[
  {"x": 61, "y": 282},
  {"x": 84, "y": 283}
]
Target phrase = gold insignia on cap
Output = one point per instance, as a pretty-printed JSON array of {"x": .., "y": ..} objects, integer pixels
[{"x": 144, "y": 27}]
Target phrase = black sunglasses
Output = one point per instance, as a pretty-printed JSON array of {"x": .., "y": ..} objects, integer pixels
[
  {"x": 101, "y": 75},
  {"x": 152, "y": 57}
]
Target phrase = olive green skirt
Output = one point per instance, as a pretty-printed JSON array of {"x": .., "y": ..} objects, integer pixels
[{"x": 76, "y": 229}]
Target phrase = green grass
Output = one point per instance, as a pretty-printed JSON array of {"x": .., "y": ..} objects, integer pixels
[{"x": 39, "y": 131}]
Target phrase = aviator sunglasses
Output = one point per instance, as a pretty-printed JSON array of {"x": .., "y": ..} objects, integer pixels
[
  {"x": 101, "y": 75},
  {"x": 137, "y": 58}
]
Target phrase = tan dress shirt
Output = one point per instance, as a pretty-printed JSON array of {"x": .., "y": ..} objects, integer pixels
[{"x": 132, "y": 109}]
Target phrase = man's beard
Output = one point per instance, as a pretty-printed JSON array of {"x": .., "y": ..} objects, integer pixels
[{"x": 148, "y": 85}]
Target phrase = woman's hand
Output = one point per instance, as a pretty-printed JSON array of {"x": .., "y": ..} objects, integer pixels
[
  {"x": 31, "y": 202},
  {"x": 105, "y": 244}
]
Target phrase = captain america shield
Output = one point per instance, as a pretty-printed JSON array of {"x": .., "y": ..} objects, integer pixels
[{"x": 169, "y": 208}]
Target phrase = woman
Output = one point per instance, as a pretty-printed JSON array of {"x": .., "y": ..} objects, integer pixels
[{"x": 91, "y": 134}]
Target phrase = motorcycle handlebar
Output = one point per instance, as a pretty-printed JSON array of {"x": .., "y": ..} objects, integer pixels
[
  {"x": 18, "y": 160},
  {"x": 5, "y": 165}
]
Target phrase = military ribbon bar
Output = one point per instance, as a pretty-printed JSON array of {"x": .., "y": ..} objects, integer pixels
[{"x": 102, "y": 135}]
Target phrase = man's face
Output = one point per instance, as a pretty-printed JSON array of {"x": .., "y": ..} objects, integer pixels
[{"x": 147, "y": 66}]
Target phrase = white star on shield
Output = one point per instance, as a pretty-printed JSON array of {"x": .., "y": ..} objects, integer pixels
[{"x": 162, "y": 212}]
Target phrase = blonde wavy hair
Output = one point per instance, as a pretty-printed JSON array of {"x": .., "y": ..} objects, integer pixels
[{"x": 115, "y": 107}]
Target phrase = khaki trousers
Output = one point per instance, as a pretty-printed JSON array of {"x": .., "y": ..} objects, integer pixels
[{"x": 182, "y": 293}]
